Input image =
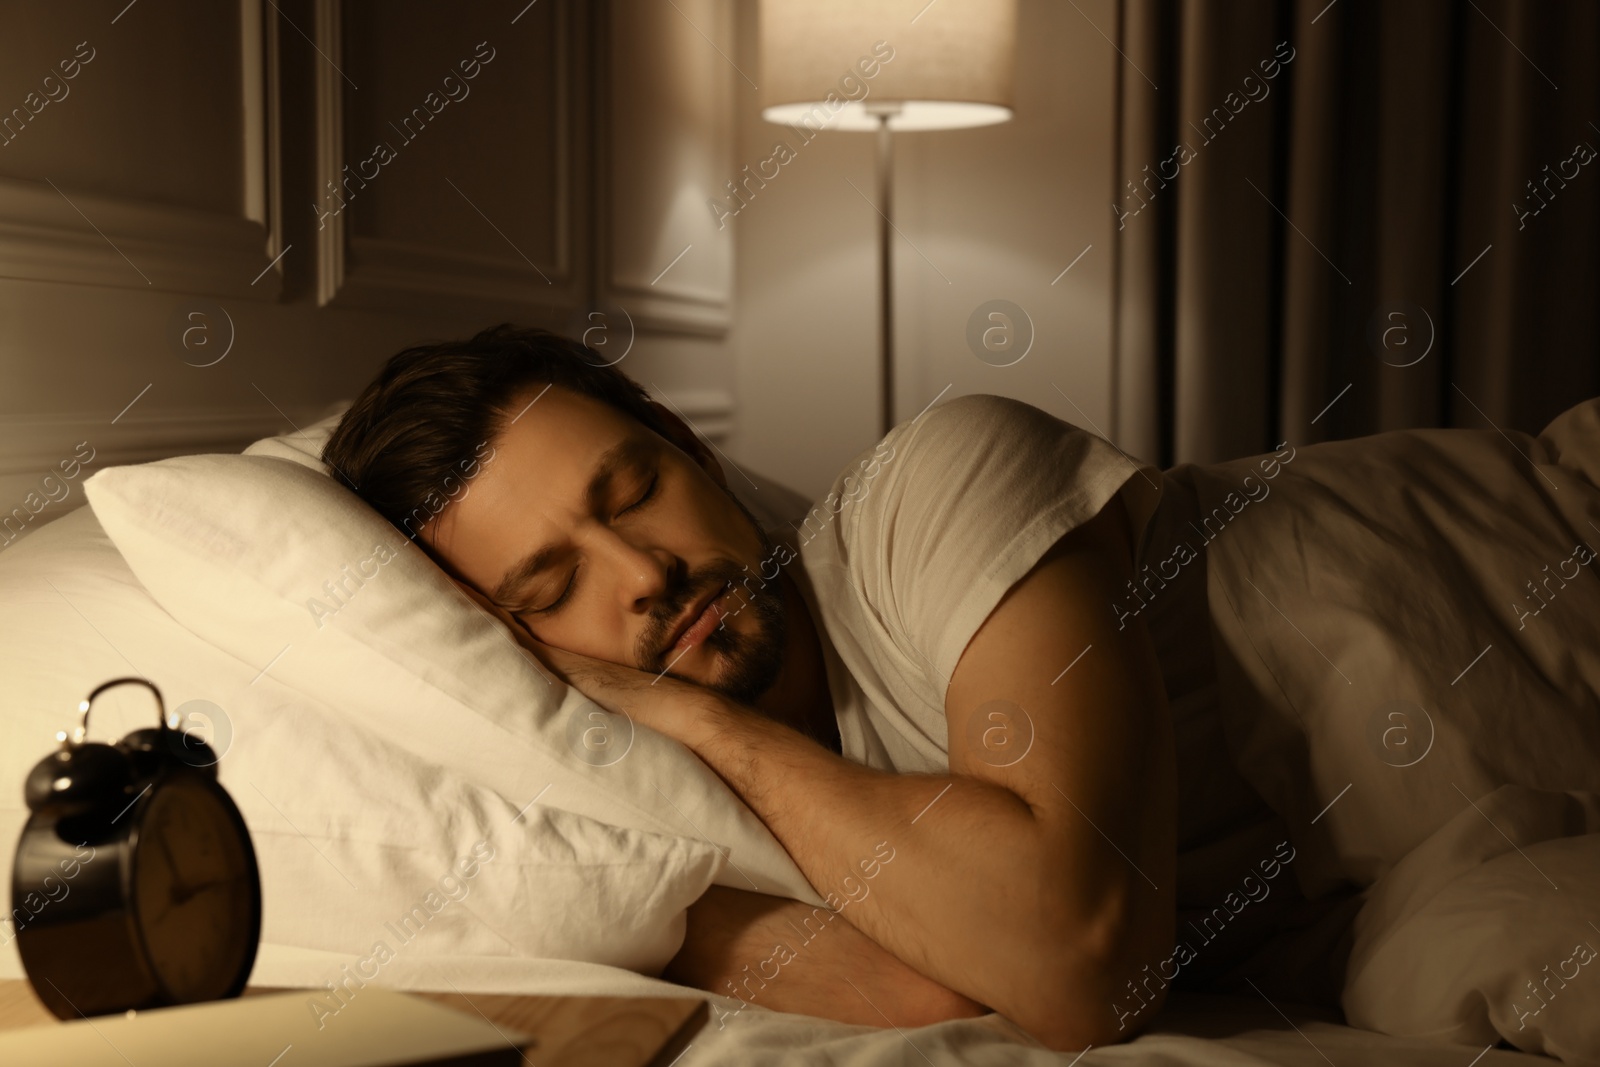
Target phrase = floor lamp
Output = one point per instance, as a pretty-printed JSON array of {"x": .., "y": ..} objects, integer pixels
[{"x": 886, "y": 66}]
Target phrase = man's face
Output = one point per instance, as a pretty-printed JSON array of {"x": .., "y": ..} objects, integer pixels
[{"x": 631, "y": 533}]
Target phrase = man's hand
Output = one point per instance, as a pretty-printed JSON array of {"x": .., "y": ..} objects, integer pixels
[{"x": 666, "y": 704}]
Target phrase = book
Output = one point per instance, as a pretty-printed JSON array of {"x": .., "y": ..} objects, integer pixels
[{"x": 376, "y": 1028}]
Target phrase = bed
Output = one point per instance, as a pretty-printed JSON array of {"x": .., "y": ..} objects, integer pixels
[{"x": 374, "y": 727}]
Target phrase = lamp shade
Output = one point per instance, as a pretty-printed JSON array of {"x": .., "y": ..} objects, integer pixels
[{"x": 837, "y": 64}]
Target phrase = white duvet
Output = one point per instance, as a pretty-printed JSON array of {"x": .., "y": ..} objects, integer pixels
[{"x": 1406, "y": 630}]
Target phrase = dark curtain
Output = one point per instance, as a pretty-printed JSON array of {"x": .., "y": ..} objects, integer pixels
[{"x": 1335, "y": 219}]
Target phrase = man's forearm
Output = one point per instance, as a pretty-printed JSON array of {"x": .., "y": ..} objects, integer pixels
[
  {"x": 973, "y": 896},
  {"x": 788, "y": 956}
]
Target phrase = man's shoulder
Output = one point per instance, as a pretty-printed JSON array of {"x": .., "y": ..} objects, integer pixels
[
  {"x": 978, "y": 413},
  {"x": 918, "y": 454},
  {"x": 975, "y": 429}
]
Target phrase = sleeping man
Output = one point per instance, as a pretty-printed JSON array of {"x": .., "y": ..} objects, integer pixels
[{"x": 923, "y": 690}]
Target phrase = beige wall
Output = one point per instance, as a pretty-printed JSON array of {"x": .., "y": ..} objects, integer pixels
[
  {"x": 999, "y": 211},
  {"x": 191, "y": 148},
  {"x": 594, "y": 144}
]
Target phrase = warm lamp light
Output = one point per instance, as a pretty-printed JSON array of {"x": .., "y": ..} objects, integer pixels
[
  {"x": 951, "y": 65},
  {"x": 948, "y": 66}
]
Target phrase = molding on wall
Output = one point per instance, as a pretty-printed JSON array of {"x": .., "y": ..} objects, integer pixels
[
  {"x": 568, "y": 37},
  {"x": 35, "y": 444},
  {"x": 390, "y": 275},
  {"x": 263, "y": 116},
  {"x": 400, "y": 275},
  {"x": 666, "y": 307},
  {"x": 682, "y": 312},
  {"x": 139, "y": 244},
  {"x": 328, "y": 161},
  {"x": 181, "y": 250},
  {"x": 709, "y": 412}
]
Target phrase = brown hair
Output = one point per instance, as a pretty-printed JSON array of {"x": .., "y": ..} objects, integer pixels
[{"x": 416, "y": 429}]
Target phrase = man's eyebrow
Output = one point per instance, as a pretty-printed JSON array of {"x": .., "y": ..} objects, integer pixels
[{"x": 631, "y": 451}]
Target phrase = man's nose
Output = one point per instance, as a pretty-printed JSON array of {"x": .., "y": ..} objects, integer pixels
[{"x": 645, "y": 573}]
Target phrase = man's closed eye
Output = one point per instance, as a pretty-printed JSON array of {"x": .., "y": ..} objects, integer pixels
[{"x": 572, "y": 583}]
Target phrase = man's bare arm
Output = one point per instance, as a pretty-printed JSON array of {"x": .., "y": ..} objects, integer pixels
[
  {"x": 1030, "y": 888},
  {"x": 789, "y": 956},
  {"x": 1055, "y": 668}
]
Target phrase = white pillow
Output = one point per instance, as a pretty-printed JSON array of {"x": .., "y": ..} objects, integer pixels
[
  {"x": 1488, "y": 930},
  {"x": 405, "y": 725},
  {"x": 352, "y": 833},
  {"x": 237, "y": 548}
]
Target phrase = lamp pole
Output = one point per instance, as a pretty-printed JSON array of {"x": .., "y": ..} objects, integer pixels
[{"x": 883, "y": 113}]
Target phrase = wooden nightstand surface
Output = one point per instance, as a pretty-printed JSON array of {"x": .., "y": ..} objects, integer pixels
[{"x": 572, "y": 1031}]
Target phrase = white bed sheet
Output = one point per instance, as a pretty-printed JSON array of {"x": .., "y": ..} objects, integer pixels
[{"x": 1193, "y": 1030}]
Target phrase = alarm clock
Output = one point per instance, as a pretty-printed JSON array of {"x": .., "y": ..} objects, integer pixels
[{"x": 135, "y": 884}]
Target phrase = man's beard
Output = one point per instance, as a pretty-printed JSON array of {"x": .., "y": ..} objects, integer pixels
[{"x": 752, "y": 658}]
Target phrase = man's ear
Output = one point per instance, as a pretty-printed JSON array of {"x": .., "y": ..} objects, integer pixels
[{"x": 679, "y": 433}]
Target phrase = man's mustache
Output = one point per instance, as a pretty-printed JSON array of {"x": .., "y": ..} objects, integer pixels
[{"x": 660, "y": 635}]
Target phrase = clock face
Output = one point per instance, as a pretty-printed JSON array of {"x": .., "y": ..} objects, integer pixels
[{"x": 196, "y": 893}]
